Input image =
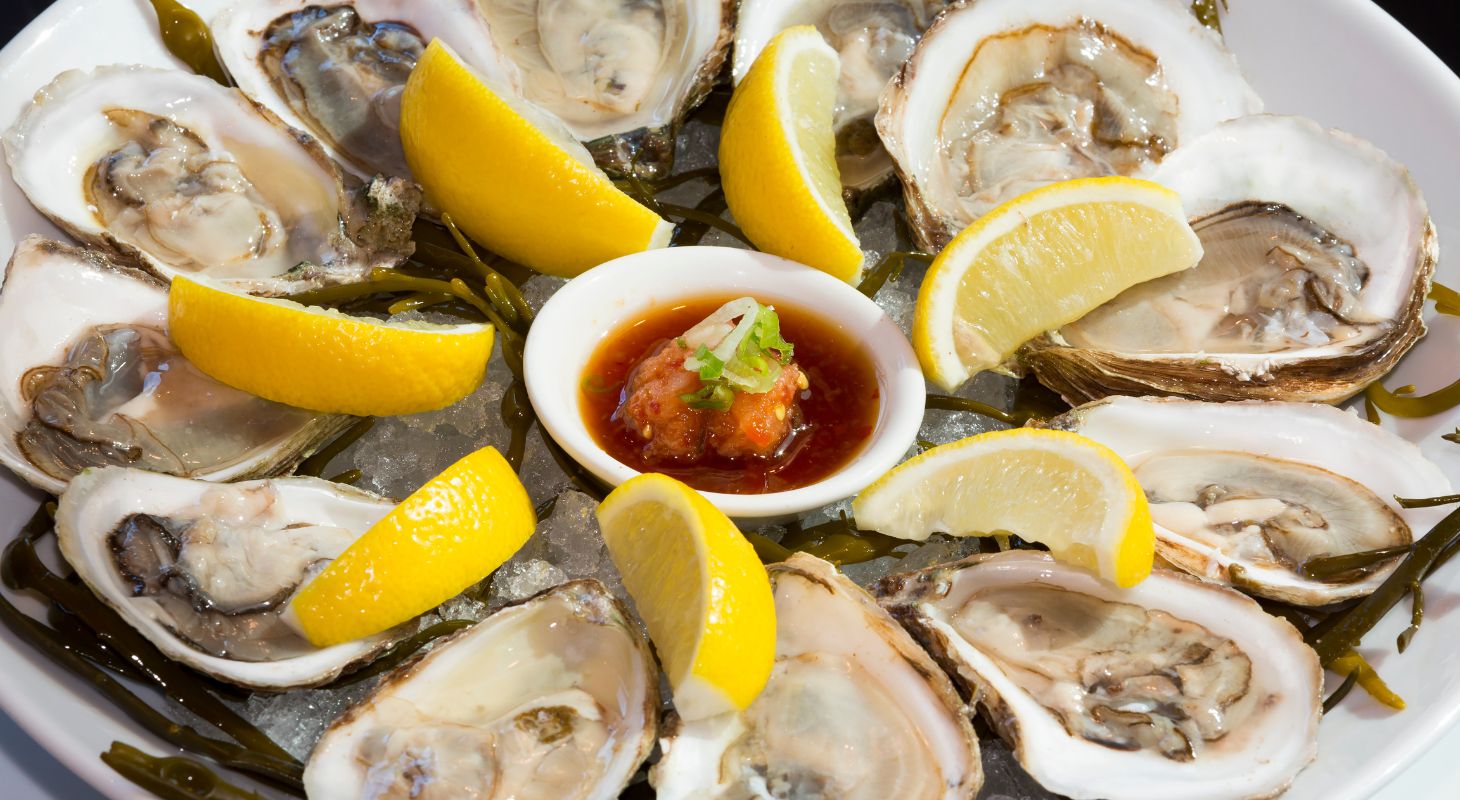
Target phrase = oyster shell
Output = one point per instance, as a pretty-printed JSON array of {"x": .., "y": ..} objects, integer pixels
[
  {"x": 554, "y": 698},
  {"x": 1172, "y": 688},
  {"x": 338, "y": 70},
  {"x": 181, "y": 175},
  {"x": 1244, "y": 493},
  {"x": 621, "y": 74},
  {"x": 854, "y": 709},
  {"x": 1319, "y": 255},
  {"x": 88, "y": 378},
  {"x": 1003, "y": 96},
  {"x": 873, "y": 38},
  {"x": 204, "y": 570}
]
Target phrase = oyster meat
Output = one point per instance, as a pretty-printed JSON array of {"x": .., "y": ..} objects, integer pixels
[
  {"x": 854, "y": 710},
  {"x": 1319, "y": 255},
  {"x": 621, "y": 74},
  {"x": 873, "y": 38},
  {"x": 1003, "y": 96},
  {"x": 338, "y": 70},
  {"x": 205, "y": 570},
  {"x": 1172, "y": 688},
  {"x": 554, "y": 698},
  {"x": 1246, "y": 493},
  {"x": 182, "y": 175},
  {"x": 88, "y": 378}
]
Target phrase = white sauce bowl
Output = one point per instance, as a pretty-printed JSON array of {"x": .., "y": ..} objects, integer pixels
[{"x": 577, "y": 319}]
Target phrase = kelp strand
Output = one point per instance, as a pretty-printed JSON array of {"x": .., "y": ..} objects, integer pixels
[
  {"x": 1401, "y": 404},
  {"x": 704, "y": 218},
  {"x": 692, "y": 233},
  {"x": 402, "y": 651},
  {"x": 173, "y": 777},
  {"x": 1331, "y": 702},
  {"x": 1447, "y": 300},
  {"x": 1206, "y": 13},
  {"x": 889, "y": 267},
  {"x": 1416, "y": 616},
  {"x": 315, "y": 465},
  {"x": 1427, "y": 502},
  {"x": 187, "y": 37},
  {"x": 1325, "y": 567},
  {"x": 944, "y": 402},
  {"x": 1345, "y": 633},
  {"x": 1351, "y": 663}
]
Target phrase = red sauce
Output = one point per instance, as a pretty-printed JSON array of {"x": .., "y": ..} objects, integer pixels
[{"x": 838, "y": 411}]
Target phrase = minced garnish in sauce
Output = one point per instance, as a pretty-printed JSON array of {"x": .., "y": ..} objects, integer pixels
[{"x": 794, "y": 401}]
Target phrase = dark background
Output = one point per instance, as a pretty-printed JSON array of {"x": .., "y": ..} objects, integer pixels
[{"x": 1437, "y": 22}]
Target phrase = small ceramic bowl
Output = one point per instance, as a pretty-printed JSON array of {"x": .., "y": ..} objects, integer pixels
[{"x": 600, "y": 301}]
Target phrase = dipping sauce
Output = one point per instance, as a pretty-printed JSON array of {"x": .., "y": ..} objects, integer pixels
[{"x": 836, "y": 412}]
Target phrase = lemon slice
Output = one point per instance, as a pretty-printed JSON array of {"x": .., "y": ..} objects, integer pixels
[
  {"x": 778, "y": 156},
  {"x": 320, "y": 359},
  {"x": 450, "y": 534},
  {"x": 700, "y": 589},
  {"x": 1040, "y": 261},
  {"x": 1053, "y": 487},
  {"x": 512, "y": 176}
]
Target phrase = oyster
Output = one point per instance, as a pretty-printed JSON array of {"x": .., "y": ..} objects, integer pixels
[
  {"x": 182, "y": 175},
  {"x": 554, "y": 698},
  {"x": 1003, "y": 96},
  {"x": 854, "y": 709},
  {"x": 205, "y": 570},
  {"x": 338, "y": 70},
  {"x": 873, "y": 37},
  {"x": 1319, "y": 255},
  {"x": 1245, "y": 493},
  {"x": 88, "y": 378},
  {"x": 1172, "y": 688},
  {"x": 621, "y": 74}
]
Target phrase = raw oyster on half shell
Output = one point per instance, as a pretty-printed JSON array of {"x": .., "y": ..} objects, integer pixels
[
  {"x": 1319, "y": 255},
  {"x": 89, "y": 378},
  {"x": 1004, "y": 96},
  {"x": 180, "y": 175},
  {"x": 205, "y": 570},
  {"x": 1247, "y": 493},
  {"x": 554, "y": 698},
  {"x": 621, "y": 74},
  {"x": 854, "y": 710},
  {"x": 338, "y": 70},
  {"x": 1172, "y": 688}
]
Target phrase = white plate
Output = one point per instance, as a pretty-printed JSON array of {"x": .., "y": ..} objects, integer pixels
[{"x": 1343, "y": 62}]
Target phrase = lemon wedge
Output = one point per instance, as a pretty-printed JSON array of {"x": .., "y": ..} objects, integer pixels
[
  {"x": 451, "y": 533},
  {"x": 700, "y": 589},
  {"x": 512, "y": 176},
  {"x": 778, "y": 156},
  {"x": 1040, "y": 261},
  {"x": 1060, "y": 489},
  {"x": 320, "y": 359}
]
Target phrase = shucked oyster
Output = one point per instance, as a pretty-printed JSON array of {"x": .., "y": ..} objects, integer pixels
[
  {"x": 1319, "y": 254},
  {"x": 337, "y": 70},
  {"x": 88, "y": 378},
  {"x": 1246, "y": 493},
  {"x": 1172, "y": 688},
  {"x": 1003, "y": 96},
  {"x": 204, "y": 570},
  {"x": 620, "y": 74},
  {"x": 552, "y": 699},
  {"x": 873, "y": 38},
  {"x": 186, "y": 176},
  {"x": 854, "y": 710}
]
